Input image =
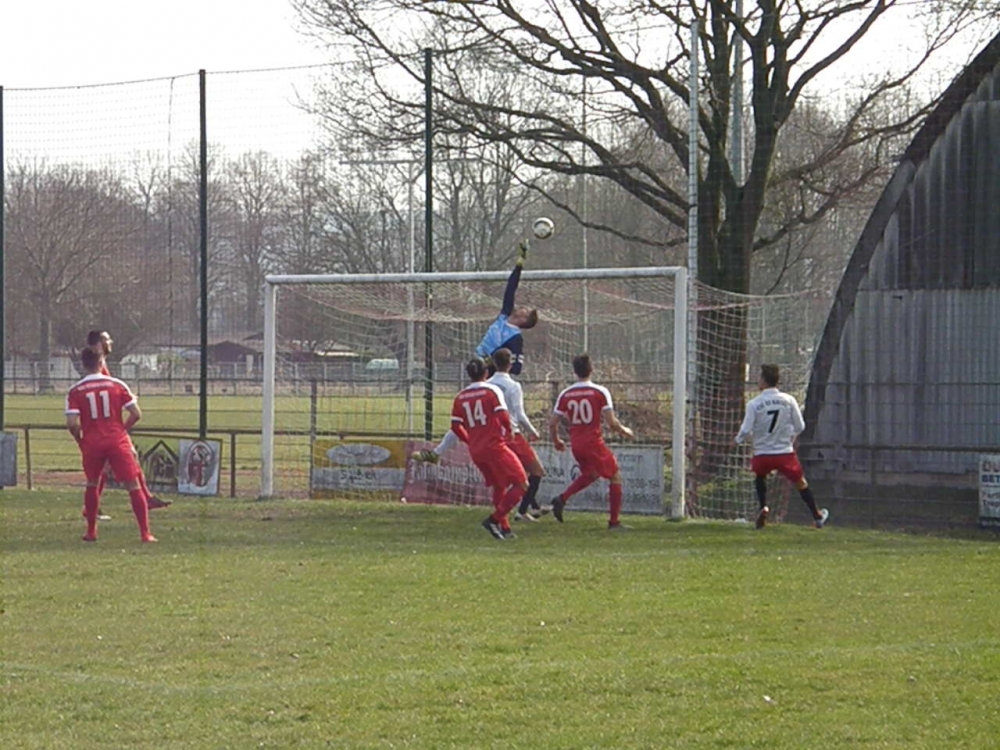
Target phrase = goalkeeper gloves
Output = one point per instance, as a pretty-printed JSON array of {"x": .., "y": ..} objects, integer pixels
[
  {"x": 522, "y": 253},
  {"x": 426, "y": 456}
]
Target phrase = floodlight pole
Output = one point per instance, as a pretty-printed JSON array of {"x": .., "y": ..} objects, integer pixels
[{"x": 428, "y": 241}]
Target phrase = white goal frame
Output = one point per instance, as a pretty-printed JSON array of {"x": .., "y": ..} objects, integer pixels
[{"x": 680, "y": 345}]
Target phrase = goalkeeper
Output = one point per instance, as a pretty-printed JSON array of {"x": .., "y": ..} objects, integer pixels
[{"x": 503, "y": 333}]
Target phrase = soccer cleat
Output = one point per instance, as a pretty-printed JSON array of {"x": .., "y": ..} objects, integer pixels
[
  {"x": 425, "y": 456},
  {"x": 542, "y": 511},
  {"x": 508, "y": 533},
  {"x": 154, "y": 502},
  {"x": 525, "y": 516},
  {"x": 618, "y": 527},
  {"x": 89, "y": 538},
  {"x": 824, "y": 514},
  {"x": 103, "y": 516},
  {"x": 762, "y": 517},
  {"x": 493, "y": 527},
  {"x": 557, "y": 508},
  {"x": 149, "y": 539}
]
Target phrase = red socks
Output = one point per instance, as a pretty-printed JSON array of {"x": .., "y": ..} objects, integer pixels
[
  {"x": 91, "y": 500},
  {"x": 615, "y": 502},
  {"x": 141, "y": 511},
  {"x": 582, "y": 482},
  {"x": 143, "y": 487},
  {"x": 503, "y": 504}
]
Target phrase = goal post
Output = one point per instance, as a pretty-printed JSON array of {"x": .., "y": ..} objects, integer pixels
[{"x": 369, "y": 320}]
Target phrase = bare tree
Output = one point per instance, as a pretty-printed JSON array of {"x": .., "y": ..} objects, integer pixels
[
  {"x": 69, "y": 230},
  {"x": 542, "y": 52},
  {"x": 635, "y": 59}
]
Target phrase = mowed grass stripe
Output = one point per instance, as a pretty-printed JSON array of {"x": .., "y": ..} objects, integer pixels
[{"x": 318, "y": 623}]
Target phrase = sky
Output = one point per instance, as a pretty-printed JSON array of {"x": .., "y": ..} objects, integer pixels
[{"x": 46, "y": 43}]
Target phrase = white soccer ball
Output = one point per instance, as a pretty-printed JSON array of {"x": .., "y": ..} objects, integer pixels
[{"x": 543, "y": 228}]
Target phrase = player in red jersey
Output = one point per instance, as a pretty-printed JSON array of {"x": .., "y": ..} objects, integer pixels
[
  {"x": 94, "y": 407},
  {"x": 479, "y": 417},
  {"x": 581, "y": 406},
  {"x": 102, "y": 341}
]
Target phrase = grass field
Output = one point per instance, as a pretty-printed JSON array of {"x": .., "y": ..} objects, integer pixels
[{"x": 318, "y": 624}]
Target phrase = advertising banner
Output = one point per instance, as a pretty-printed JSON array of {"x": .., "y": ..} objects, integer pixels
[
  {"x": 366, "y": 465},
  {"x": 989, "y": 490}
]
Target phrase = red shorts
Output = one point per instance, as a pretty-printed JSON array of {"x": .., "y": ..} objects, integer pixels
[
  {"x": 596, "y": 459},
  {"x": 119, "y": 456},
  {"x": 786, "y": 464},
  {"x": 501, "y": 468},
  {"x": 523, "y": 450}
]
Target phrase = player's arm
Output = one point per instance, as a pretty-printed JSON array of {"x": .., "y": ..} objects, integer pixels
[
  {"x": 513, "y": 280},
  {"x": 747, "y": 427},
  {"x": 516, "y": 346},
  {"x": 554, "y": 421},
  {"x": 503, "y": 418},
  {"x": 611, "y": 419},
  {"x": 73, "y": 425},
  {"x": 520, "y": 416},
  {"x": 134, "y": 415},
  {"x": 459, "y": 429}
]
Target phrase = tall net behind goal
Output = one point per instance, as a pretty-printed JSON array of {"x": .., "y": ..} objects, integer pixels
[
  {"x": 735, "y": 335},
  {"x": 351, "y": 397}
]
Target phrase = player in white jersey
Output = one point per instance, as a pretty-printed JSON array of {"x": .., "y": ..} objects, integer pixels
[
  {"x": 513, "y": 394},
  {"x": 503, "y": 359},
  {"x": 774, "y": 421}
]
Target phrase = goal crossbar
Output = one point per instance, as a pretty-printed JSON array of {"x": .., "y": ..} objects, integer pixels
[{"x": 680, "y": 348}]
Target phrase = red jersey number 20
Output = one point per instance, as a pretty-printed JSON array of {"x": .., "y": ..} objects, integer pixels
[{"x": 580, "y": 412}]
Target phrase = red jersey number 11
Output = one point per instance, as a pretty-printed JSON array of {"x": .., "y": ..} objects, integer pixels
[{"x": 105, "y": 404}]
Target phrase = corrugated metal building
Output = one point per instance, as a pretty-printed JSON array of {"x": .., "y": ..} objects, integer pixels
[{"x": 905, "y": 386}]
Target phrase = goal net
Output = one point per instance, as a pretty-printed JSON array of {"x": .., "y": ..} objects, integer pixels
[{"x": 360, "y": 372}]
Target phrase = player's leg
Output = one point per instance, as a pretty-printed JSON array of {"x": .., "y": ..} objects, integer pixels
[
  {"x": 126, "y": 470},
  {"x": 93, "y": 469},
  {"x": 529, "y": 460},
  {"x": 608, "y": 468},
  {"x": 589, "y": 473},
  {"x": 433, "y": 455},
  {"x": 152, "y": 501},
  {"x": 508, "y": 474},
  {"x": 101, "y": 481},
  {"x": 761, "y": 466},
  {"x": 492, "y": 522},
  {"x": 792, "y": 470}
]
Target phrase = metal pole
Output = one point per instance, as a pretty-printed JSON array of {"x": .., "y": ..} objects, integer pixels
[
  {"x": 679, "y": 447},
  {"x": 584, "y": 213},
  {"x": 410, "y": 328},
  {"x": 3, "y": 276},
  {"x": 267, "y": 416},
  {"x": 736, "y": 144},
  {"x": 692, "y": 257},
  {"x": 203, "y": 223},
  {"x": 428, "y": 242}
]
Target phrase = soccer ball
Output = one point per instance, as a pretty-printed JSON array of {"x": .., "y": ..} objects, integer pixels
[{"x": 543, "y": 228}]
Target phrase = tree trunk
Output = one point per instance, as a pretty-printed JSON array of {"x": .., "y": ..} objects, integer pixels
[{"x": 721, "y": 362}]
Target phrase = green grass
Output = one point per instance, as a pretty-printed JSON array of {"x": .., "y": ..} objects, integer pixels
[{"x": 318, "y": 624}]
